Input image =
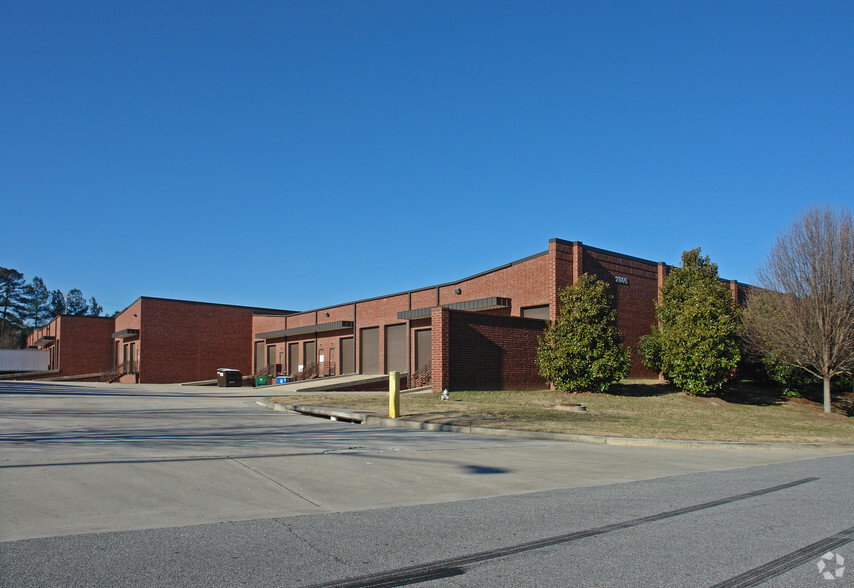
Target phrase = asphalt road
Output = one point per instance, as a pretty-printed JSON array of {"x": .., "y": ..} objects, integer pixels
[{"x": 164, "y": 486}]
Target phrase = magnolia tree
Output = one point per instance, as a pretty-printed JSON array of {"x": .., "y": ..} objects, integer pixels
[
  {"x": 804, "y": 314},
  {"x": 582, "y": 349},
  {"x": 695, "y": 341}
]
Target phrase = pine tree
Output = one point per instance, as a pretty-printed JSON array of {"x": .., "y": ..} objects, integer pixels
[
  {"x": 76, "y": 305},
  {"x": 38, "y": 299},
  {"x": 12, "y": 299},
  {"x": 95, "y": 309},
  {"x": 56, "y": 306}
]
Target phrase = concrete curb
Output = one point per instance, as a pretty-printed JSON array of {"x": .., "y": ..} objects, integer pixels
[{"x": 367, "y": 417}]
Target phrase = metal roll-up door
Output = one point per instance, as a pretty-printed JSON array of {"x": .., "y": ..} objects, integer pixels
[
  {"x": 396, "y": 356},
  {"x": 293, "y": 359},
  {"x": 369, "y": 350},
  {"x": 347, "y": 361},
  {"x": 259, "y": 356},
  {"x": 309, "y": 355},
  {"x": 423, "y": 347}
]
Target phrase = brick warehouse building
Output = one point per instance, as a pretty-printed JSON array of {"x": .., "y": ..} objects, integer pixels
[
  {"x": 78, "y": 345},
  {"x": 184, "y": 341},
  {"x": 476, "y": 333},
  {"x": 479, "y": 332},
  {"x": 160, "y": 341}
]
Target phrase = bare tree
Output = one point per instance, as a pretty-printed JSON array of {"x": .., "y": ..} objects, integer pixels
[{"x": 804, "y": 316}]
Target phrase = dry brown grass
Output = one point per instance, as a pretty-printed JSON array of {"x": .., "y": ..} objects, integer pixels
[{"x": 634, "y": 409}]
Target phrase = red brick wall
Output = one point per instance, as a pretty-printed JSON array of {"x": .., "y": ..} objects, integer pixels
[
  {"x": 485, "y": 352},
  {"x": 634, "y": 285},
  {"x": 86, "y": 345},
  {"x": 526, "y": 283},
  {"x": 188, "y": 341},
  {"x": 82, "y": 346}
]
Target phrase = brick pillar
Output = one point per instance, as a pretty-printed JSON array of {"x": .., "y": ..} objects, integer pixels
[
  {"x": 577, "y": 261},
  {"x": 553, "y": 280},
  {"x": 733, "y": 286},
  {"x": 440, "y": 352}
]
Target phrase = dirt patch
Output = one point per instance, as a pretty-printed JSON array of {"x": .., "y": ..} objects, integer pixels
[
  {"x": 707, "y": 400},
  {"x": 804, "y": 402},
  {"x": 831, "y": 416}
]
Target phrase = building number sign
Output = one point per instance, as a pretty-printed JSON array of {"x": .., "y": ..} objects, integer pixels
[{"x": 621, "y": 280}]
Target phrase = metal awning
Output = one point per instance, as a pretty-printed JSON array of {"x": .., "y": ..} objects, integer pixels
[
  {"x": 309, "y": 329},
  {"x": 126, "y": 334},
  {"x": 473, "y": 305},
  {"x": 45, "y": 341}
]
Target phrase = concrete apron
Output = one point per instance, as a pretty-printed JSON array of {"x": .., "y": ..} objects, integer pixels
[{"x": 252, "y": 463}]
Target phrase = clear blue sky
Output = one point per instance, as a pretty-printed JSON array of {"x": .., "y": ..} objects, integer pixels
[{"x": 299, "y": 154}]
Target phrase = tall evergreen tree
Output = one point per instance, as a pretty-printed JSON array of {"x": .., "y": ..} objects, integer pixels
[
  {"x": 56, "y": 306},
  {"x": 95, "y": 309},
  {"x": 38, "y": 299},
  {"x": 695, "y": 343},
  {"x": 76, "y": 305},
  {"x": 12, "y": 299},
  {"x": 582, "y": 350}
]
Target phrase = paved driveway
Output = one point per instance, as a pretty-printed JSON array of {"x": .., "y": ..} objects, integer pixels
[{"x": 78, "y": 458}]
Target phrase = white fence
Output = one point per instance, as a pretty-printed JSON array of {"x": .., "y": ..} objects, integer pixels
[{"x": 24, "y": 360}]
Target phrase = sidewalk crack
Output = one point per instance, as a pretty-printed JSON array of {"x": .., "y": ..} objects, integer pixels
[{"x": 277, "y": 483}]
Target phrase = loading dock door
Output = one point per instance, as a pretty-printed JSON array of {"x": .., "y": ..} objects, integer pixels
[
  {"x": 396, "y": 355},
  {"x": 293, "y": 359},
  {"x": 259, "y": 356},
  {"x": 423, "y": 348},
  {"x": 309, "y": 355},
  {"x": 369, "y": 350},
  {"x": 347, "y": 360}
]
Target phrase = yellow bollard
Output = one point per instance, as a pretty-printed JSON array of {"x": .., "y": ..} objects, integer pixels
[{"x": 393, "y": 394}]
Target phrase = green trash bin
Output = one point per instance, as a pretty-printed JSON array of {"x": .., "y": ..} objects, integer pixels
[{"x": 262, "y": 381}]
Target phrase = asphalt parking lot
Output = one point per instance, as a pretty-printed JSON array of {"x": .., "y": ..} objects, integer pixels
[{"x": 164, "y": 461}]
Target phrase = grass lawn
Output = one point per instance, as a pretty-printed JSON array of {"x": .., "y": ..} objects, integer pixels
[{"x": 741, "y": 412}]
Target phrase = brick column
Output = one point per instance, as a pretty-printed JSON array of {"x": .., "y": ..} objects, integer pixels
[
  {"x": 440, "y": 352},
  {"x": 577, "y": 261},
  {"x": 553, "y": 280}
]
